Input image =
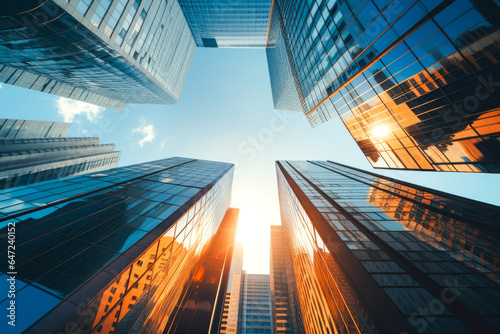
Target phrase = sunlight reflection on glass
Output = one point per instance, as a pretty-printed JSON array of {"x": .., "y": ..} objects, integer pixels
[{"x": 381, "y": 131}]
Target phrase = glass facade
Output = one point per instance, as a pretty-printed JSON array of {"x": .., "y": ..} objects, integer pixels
[
  {"x": 104, "y": 52},
  {"x": 111, "y": 251},
  {"x": 36, "y": 151},
  {"x": 285, "y": 86},
  {"x": 201, "y": 308},
  {"x": 228, "y": 23},
  {"x": 233, "y": 322},
  {"x": 227, "y": 325},
  {"x": 414, "y": 82},
  {"x": 375, "y": 255},
  {"x": 287, "y": 318},
  {"x": 255, "y": 312},
  {"x": 24, "y": 129}
]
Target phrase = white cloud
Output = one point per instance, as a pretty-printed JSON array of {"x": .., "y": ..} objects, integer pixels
[
  {"x": 162, "y": 145},
  {"x": 148, "y": 130},
  {"x": 1, "y": 86},
  {"x": 69, "y": 109}
]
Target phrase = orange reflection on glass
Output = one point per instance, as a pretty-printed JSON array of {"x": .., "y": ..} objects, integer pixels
[{"x": 435, "y": 227}]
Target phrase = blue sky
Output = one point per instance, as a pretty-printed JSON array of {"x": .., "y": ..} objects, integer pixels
[{"x": 226, "y": 113}]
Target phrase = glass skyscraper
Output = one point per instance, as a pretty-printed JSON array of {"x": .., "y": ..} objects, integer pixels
[
  {"x": 286, "y": 91},
  {"x": 373, "y": 254},
  {"x": 228, "y": 23},
  {"x": 117, "y": 251},
  {"x": 287, "y": 318},
  {"x": 105, "y": 52},
  {"x": 35, "y": 151},
  {"x": 249, "y": 308},
  {"x": 255, "y": 312},
  {"x": 232, "y": 302},
  {"x": 416, "y": 83},
  {"x": 202, "y": 306}
]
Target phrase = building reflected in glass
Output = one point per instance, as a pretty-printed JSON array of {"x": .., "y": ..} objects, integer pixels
[
  {"x": 373, "y": 254},
  {"x": 228, "y": 23},
  {"x": 36, "y": 151},
  {"x": 105, "y": 52},
  {"x": 122, "y": 250},
  {"x": 415, "y": 82}
]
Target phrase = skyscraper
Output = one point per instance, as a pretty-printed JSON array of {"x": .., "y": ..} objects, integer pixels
[
  {"x": 201, "y": 308},
  {"x": 35, "y": 151},
  {"x": 285, "y": 86},
  {"x": 105, "y": 52},
  {"x": 373, "y": 254},
  {"x": 249, "y": 306},
  {"x": 228, "y": 23},
  {"x": 414, "y": 82},
  {"x": 287, "y": 318},
  {"x": 255, "y": 311},
  {"x": 232, "y": 302},
  {"x": 236, "y": 263},
  {"x": 118, "y": 251}
]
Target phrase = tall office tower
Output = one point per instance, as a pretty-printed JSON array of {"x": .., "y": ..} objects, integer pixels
[
  {"x": 373, "y": 254},
  {"x": 201, "y": 308},
  {"x": 35, "y": 151},
  {"x": 232, "y": 323},
  {"x": 236, "y": 263},
  {"x": 415, "y": 82},
  {"x": 285, "y": 86},
  {"x": 228, "y": 23},
  {"x": 255, "y": 313},
  {"x": 104, "y": 52},
  {"x": 117, "y": 251},
  {"x": 236, "y": 269},
  {"x": 287, "y": 318}
]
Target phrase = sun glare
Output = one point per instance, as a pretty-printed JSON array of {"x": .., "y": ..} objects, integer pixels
[
  {"x": 254, "y": 231},
  {"x": 381, "y": 131}
]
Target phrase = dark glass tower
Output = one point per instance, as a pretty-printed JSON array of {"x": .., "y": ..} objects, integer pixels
[
  {"x": 104, "y": 52},
  {"x": 35, "y": 151},
  {"x": 376, "y": 255},
  {"x": 120, "y": 250},
  {"x": 416, "y": 83},
  {"x": 287, "y": 318}
]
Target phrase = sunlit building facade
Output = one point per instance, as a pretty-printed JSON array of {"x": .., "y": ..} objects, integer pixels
[
  {"x": 105, "y": 52},
  {"x": 36, "y": 151},
  {"x": 121, "y": 250},
  {"x": 415, "y": 82},
  {"x": 287, "y": 318},
  {"x": 233, "y": 321},
  {"x": 228, "y": 23},
  {"x": 202, "y": 305},
  {"x": 232, "y": 302},
  {"x": 373, "y": 254}
]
